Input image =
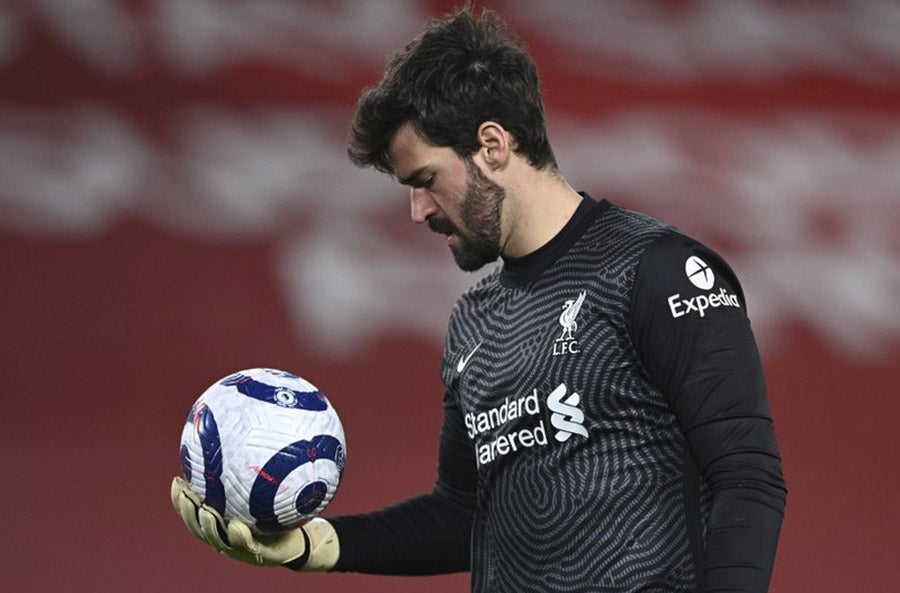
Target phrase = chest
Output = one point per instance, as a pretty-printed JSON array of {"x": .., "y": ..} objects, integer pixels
[{"x": 536, "y": 344}]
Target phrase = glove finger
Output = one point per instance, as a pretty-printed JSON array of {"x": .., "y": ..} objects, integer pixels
[
  {"x": 182, "y": 494},
  {"x": 181, "y": 486},
  {"x": 213, "y": 528},
  {"x": 241, "y": 537},
  {"x": 187, "y": 509},
  {"x": 175, "y": 489}
]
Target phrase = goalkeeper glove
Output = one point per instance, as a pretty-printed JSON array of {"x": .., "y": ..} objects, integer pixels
[{"x": 313, "y": 546}]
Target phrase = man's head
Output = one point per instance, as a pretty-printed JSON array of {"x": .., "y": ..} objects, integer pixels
[
  {"x": 460, "y": 99},
  {"x": 452, "y": 194},
  {"x": 458, "y": 73}
]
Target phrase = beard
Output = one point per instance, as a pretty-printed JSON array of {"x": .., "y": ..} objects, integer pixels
[{"x": 479, "y": 213}]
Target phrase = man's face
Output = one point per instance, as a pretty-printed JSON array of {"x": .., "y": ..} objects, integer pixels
[{"x": 452, "y": 195}]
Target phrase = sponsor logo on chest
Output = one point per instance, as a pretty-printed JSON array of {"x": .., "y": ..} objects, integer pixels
[{"x": 566, "y": 418}]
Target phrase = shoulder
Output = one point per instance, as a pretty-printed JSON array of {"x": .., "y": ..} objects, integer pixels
[
  {"x": 623, "y": 224},
  {"x": 675, "y": 261},
  {"x": 619, "y": 236},
  {"x": 650, "y": 260}
]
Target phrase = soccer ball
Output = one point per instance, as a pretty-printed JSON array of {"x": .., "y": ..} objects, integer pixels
[{"x": 264, "y": 446}]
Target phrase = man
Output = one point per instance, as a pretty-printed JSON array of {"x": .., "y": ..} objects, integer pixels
[{"x": 606, "y": 425}]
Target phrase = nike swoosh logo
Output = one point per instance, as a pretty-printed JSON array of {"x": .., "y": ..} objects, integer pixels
[{"x": 465, "y": 360}]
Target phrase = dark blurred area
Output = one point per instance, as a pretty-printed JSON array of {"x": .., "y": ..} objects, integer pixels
[{"x": 176, "y": 204}]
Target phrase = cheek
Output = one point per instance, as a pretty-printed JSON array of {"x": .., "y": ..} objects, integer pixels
[
  {"x": 457, "y": 180},
  {"x": 452, "y": 189}
]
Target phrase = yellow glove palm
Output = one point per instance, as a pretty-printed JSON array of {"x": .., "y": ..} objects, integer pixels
[{"x": 314, "y": 546}]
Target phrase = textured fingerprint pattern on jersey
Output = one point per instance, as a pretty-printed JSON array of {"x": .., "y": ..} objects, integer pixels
[{"x": 580, "y": 460}]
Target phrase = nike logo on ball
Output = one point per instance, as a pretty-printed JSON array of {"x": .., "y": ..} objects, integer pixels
[{"x": 465, "y": 359}]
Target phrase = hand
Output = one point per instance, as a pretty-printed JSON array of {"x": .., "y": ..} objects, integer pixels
[{"x": 314, "y": 546}]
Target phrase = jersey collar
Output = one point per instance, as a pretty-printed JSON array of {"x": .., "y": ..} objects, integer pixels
[{"x": 517, "y": 272}]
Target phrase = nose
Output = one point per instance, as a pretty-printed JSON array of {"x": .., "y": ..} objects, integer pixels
[{"x": 421, "y": 205}]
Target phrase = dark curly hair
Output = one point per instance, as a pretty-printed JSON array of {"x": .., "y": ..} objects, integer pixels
[{"x": 461, "y": 71}]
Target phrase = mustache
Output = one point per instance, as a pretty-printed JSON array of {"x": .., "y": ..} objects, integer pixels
[{"x": 441, "y": 225}]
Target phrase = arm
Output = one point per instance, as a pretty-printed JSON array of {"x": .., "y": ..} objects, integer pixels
[
  {"x": 425, "y": 535},
  {"x": 709, "y": 368},
  {"x": 429, "y": 534}
]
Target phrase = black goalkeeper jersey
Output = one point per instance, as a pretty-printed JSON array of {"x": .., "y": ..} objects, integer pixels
[{"x": 606, "y": 426}]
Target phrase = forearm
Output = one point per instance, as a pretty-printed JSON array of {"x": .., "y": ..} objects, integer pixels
[
  {"x": 425, "y": 535},
  {"x": 430, "y": 534},
  {"x": 744, "y": 526}
]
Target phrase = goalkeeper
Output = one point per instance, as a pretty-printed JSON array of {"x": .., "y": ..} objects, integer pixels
[{"x": 606, "y": 424}]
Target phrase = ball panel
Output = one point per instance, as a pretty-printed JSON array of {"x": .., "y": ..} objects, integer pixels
[
  {"x": 289, "y": 392},
  {"x": 310, "y": 497},
  {"x": 279, "y": 466},
  {"x": 211, "y": 445},
  {"x": 192, "y": 458},
  {"x": 186, "y": 469}
]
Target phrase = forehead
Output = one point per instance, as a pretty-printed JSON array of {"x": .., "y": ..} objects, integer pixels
[{"x": 410, "y": 152}]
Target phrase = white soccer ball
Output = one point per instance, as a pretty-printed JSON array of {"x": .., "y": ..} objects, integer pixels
[{"x": 264, "y": 446}]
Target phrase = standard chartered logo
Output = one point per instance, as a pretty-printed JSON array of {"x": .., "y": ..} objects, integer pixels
[{"x": 566, "y": 417}]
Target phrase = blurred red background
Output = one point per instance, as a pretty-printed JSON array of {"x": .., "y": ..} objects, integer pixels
[{"x": 176, "y": 205}]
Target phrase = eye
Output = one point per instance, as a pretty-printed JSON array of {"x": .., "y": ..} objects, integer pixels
[{"x": 420, "y": 180}]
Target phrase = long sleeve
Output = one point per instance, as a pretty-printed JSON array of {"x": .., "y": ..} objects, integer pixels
[
  {"x": 429, "y": 534},
  {"x": 690, "y": 327}
]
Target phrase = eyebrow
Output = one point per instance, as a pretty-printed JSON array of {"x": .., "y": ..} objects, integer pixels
[{"x": 412, "y": 177}]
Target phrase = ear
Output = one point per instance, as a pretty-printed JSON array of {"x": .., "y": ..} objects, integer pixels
[{"x": 496, "y": 145}]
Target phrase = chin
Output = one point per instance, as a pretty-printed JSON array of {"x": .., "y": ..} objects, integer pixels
[{"x": 471, "y": 260}]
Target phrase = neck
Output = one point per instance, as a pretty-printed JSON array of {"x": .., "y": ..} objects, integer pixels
[{"x": 536, "y": 208}]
